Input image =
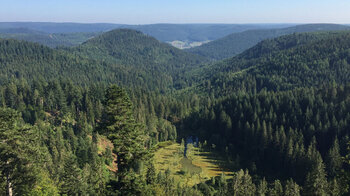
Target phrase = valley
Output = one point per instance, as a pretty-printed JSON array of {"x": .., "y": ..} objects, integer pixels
[
  {"x": 113, "y": 109},
  {"x": 186, "y": 45}
]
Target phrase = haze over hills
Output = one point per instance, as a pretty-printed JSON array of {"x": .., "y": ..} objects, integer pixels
[
  {"x": 197, "y": 32},
  {"x": 55, "y": 34},
  {"x": 51, "y": 27},
  {"x": 236, "y": 43},
  {"x": 48, "y": 39}
]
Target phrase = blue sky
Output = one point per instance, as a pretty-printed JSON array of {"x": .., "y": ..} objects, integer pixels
[{"x": 176, "y": 11}]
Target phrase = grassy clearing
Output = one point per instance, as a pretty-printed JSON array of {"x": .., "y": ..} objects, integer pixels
[{"x": 197, "y": 167}]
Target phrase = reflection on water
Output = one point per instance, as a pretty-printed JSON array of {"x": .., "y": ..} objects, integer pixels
[{"x": 189, "y": 140}]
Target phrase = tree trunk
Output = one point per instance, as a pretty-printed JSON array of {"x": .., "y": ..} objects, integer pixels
[{"x": 8, "y": 186}]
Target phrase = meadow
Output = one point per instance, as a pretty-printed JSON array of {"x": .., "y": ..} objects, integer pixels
[{"x": 198, "y": 166}]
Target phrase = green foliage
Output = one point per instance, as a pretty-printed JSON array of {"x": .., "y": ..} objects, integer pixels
[
  {"x": 16, "y": 170},
  {"x": 276, "y": 189},
  {"x": 236, "y": 43},
  {"x": 262, "y": 188},
  {"x": 71, "y": 179},
  {"x": 50, "y": 40},
  {"x": 155, "y": 63},
  {"x": 279, "y": 109},
  {"x": 126, "y": 57},
  {"x": 287, "y": 62},
  {"x": 151, "y": 174},
  {"x": 121, "y": 128},
  {"x": 334, "y": 188},
  {"x": 242, "y": 184},
  {"x": 45, "y": 186},
  {"x": 316, "y": 181},
  {"x": 334, "y": 159},
  {"x": 292, "y": 189},
  {"x": 128, "y": 138}
]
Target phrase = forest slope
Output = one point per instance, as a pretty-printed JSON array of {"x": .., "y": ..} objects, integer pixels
[
  {"x": 126, "y": 57},
  {"x": 236, "y": 43},
  {"x": 142, "y": 52},
  {"x": 287, "y": 62},
  {"x": 48, "y": 39},
  {"x": 280, "y": 110}
]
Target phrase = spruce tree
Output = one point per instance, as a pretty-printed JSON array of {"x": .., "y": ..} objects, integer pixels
[
  {"x": 16, "y": 170},
  {"x": 242, "y": 184},
  {"x": 262, "y": 188},
  {"x": 276, "y": 189},
  {"x": 292, "y": 188},
  {"x": 334, "y": 160},
  {"x": 334, "y": 188},
  {"x": 316, "y": 180},
  {"x": 119, "y": 125},
  {"x": 71, "y": 178}
]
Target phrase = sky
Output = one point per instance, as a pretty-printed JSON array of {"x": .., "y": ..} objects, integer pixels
[{"x": 176, "y": 11}]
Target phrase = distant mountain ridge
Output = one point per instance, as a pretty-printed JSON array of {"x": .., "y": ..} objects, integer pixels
[
  {"x": 187, "y": 33},
  {"x": 20, "y": 30},
  {"x": 236, "y": 43},
  {"x": 49, "y": 39}
]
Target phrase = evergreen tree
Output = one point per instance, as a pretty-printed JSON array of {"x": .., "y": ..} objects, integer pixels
[
  {"x": 334, "y": 160},
  {"x": 16, "y": 170},
  {"x": 128, "y": 138},
  {"x": 276, "y": 189},
  {"x": 316, "y": 180},
  {"x": 71, "y": 178},
  {"x": 262, "y": 188},
  {"x": 120, "y": 126},
  {"x": 151, "y": 174},
  {"x": 292, "y": 188},
  {"x": 242, "y": 184},
  {"x": 334, "y": 188}
]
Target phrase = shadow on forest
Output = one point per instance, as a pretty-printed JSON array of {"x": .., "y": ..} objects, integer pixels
[{"x": 222, "y": 166}]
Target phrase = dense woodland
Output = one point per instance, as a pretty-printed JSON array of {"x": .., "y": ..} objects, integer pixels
[
  {"x": 86, "y": 120},
  {"x": 52, "y": 40},
  {"x": 235, "y": 43}
]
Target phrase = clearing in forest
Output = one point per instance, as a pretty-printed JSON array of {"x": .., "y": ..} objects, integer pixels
[{"x": 197, "y": 167}]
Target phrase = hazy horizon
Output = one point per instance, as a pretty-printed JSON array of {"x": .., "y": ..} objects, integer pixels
[
  {"x": 165, "y": 23},
  {"x": 180, "y": 12}
]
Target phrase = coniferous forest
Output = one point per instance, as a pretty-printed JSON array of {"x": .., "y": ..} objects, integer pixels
[{"x": 92, "y": 118}]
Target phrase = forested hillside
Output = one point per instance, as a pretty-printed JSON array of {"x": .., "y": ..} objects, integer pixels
[
  {"x": 48, "y": 39},
  {"x": 88, "y": 120},
  {"x": 287, "y": 62},
  {"x": 53, "y": 27},
  {"x": 299, "y": 134},
  {"x": 236, "y": 43},
  {"x": 135, "y": 50},
  {"x": 125, "y": 57},
  {"x": 280, "y": 110}
]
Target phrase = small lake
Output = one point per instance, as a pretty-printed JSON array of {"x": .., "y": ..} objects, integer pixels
[{"x": 190, "y": 140}]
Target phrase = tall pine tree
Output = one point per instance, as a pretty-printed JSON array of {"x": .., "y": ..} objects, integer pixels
[{"x": 119, "y": 125}]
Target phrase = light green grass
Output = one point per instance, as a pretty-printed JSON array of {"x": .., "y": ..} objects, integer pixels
[{"x": 197, "y": 167}]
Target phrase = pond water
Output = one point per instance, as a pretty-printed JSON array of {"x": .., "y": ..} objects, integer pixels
[{"x": 190, "y": 140}]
